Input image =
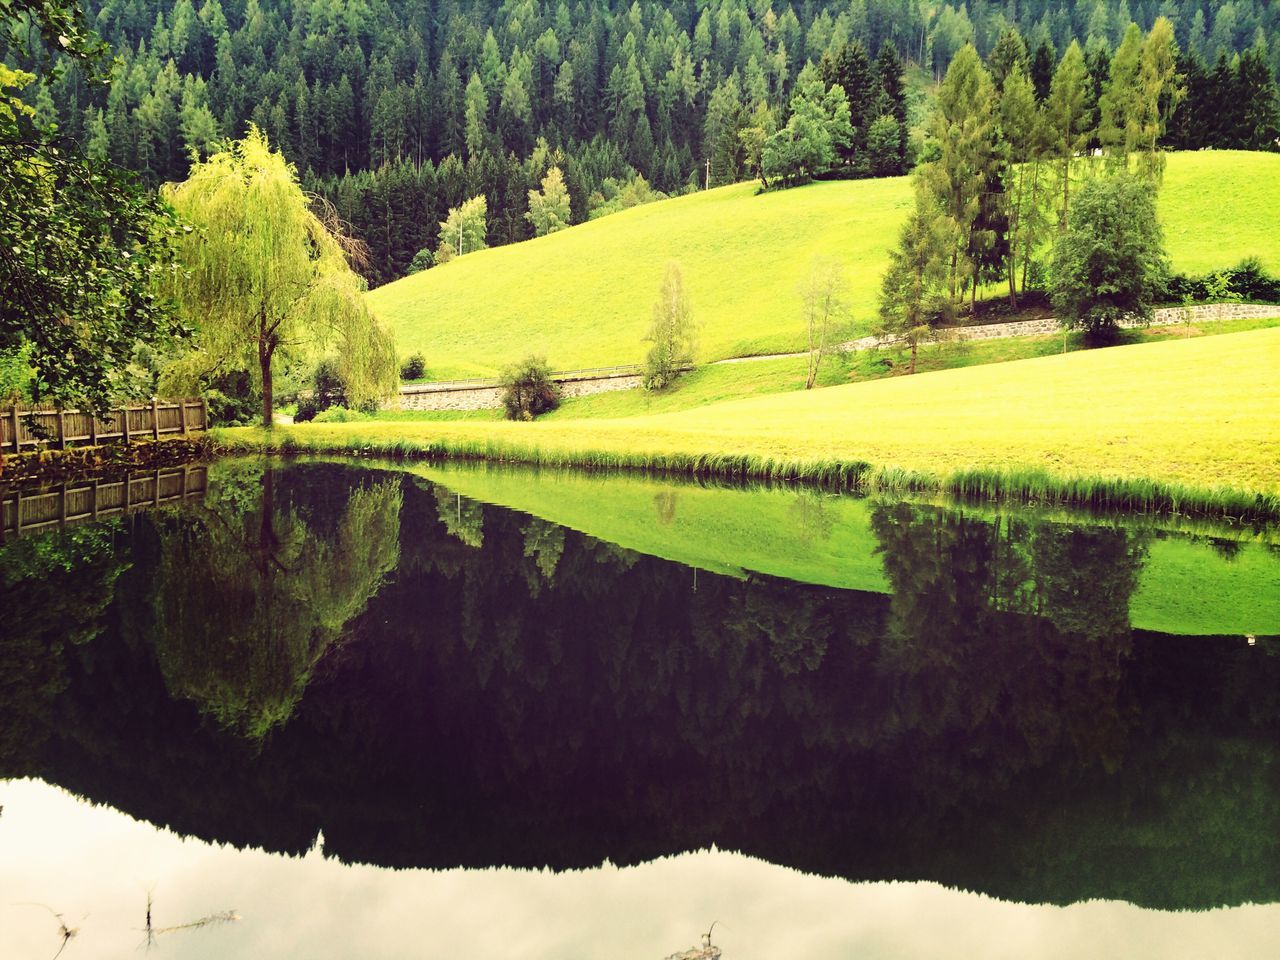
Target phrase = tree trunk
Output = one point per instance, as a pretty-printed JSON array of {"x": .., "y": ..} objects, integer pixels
[
  {"x": 265, "y": 350},
  {"x": 914, "y": 343}
]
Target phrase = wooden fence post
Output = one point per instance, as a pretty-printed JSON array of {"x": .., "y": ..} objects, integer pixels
[
  {"x": 62, "y": 429},
  {"x": 155, "y": 419},
  {"x": 17, "y": 442},
  {"x": 204, "y": 413},
  {"x": 124, "y": 424},
  {"x": 182, "y": 415},
  {"x": 93, "y": 435}
]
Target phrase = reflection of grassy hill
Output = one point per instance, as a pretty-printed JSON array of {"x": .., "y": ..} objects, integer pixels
[
  {"x": 582, "y": 296},
  {"x": 1186, "y": 586}
]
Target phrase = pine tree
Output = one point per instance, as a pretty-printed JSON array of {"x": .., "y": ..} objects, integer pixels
[
  {"x": 1068, "y": 122},
  {"x": 964, "y": 127},
  {"x": 1121, "y": 104}
]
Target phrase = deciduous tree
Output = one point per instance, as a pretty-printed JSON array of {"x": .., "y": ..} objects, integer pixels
[
  {"x": 265, "y": 277},
  {"x": 1108, "y": 264},
  {"x": 672, "y": 333}
]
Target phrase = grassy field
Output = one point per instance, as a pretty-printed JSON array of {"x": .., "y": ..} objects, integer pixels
[
  {"x": 713, "y": 383},
  {"x": 1126, "y": 426},
  {"x": 583, "y": 296}
]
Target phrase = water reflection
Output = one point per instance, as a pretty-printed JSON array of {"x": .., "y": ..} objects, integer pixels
[{"x": 427, "y": 680}]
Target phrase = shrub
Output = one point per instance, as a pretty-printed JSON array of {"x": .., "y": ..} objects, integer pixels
[
  {"x": 1245, "y": 281},
  {"x": 422, "y": 260},
  {"x": 328, "y": 392},
  {"x": 1110, "y": 264},
  {"x": 340, "y": 415},
  {"x": 528, "y": 390},
  {"x": 414, "y": 367}
]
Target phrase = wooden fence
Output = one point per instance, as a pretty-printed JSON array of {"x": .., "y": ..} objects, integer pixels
[
  {"x": 32, "y": 510},
  {"x": 32, "y": 429}
]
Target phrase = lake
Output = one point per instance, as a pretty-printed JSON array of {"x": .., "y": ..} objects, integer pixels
[{"x": 336, "y": 708}]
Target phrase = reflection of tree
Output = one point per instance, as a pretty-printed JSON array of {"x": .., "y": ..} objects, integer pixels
[
  {"x": 619, "y": 714},
  {"x": 463, "y": 518},
  {"x": 56, "y": 588},
  {"x": 664, "y": 503},
  {"x": 812, "y": 518},
  {"x": 1016, "y": 621},
  {"x": 544, "y": 542},
  {"x": 249, "y": 596}
]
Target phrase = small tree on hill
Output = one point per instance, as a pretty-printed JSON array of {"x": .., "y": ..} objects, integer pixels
[
  {"x": 672, "y": 332},
  {"x": 1109, "y": 264},
  {"x": 264, "y": 275},
  {"x": 464, "y": 230},
  {"x": 824, "y": 307},
  {"x": 549, "y": 208},
  {"x": 913, "y": 292},
  {"x": 528, "y": 390}
]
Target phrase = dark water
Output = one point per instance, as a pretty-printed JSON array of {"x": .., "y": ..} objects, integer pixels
[{"x": 375, "y": 717}]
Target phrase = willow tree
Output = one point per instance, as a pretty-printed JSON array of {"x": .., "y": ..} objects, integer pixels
[{"x": 266, "y": 278}]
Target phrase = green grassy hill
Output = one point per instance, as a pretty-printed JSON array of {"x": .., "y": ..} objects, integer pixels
[
  {"x": 582, "y": 297},
  {"x": 1204, "y": 412}
]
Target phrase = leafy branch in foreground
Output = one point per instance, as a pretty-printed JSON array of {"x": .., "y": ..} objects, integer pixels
[{"x": 81, "y": 244}]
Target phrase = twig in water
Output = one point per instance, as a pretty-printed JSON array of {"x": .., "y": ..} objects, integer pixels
[{"x": 63, "y": 930}]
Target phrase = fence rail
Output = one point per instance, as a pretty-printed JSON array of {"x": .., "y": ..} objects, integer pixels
[
  {"x": 35, "y": 428},
  {"x": 32, "y": 510},
  {"x": 485, "y": 383}
]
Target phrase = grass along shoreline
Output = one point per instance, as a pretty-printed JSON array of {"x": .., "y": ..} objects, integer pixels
[
  {"x": 1030, "y": 485},
  {"x": 1186, "y": 427}
]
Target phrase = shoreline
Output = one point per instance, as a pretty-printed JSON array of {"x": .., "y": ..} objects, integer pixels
[
  {"x": 1031, "y": 486},
  {"x": 52, "y": 466}
]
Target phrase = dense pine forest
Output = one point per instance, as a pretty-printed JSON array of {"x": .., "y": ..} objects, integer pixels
[{"x": 396, "y": 111}]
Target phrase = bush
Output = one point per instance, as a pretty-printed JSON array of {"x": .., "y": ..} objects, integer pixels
[
  {"x": 1109, "y": 265},
  {"x": 414, "y": 367},
  {"x": 1245, "y": 281},
  {"x": 422, "y": 260},
  {"x": 528, "y": 390},
  {"x": 328, "y": 392},
  {"x": 340, "y": 415}
]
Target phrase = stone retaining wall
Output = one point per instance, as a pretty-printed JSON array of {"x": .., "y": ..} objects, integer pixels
[
  {"x": 490, "y": 398},
  {"x": 1165, "y": 316}
]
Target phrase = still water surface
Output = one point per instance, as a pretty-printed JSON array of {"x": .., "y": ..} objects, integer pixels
[{"x": 353, "y": 710}]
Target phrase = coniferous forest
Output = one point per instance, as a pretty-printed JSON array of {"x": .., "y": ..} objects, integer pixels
[{"x": 398, "y": 111}]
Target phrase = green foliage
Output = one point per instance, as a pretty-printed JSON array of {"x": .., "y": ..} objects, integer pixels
[
  {"x": 1110, "y": 263},
  {"x": 463, "y": 230},
  {"x": 549, "y": 208},
  {"x": 672, "y": 333},
  {"x": 527, "y": 389},
  {"x": 264, "y": 274},
  {"x": 818, "y": 128},
  {"x": 414, "y": 368},
  {"x": 614, "y": 197},
  {"x": 83, "y": 246},
  {"x": 884, "y": 146},
  {"x": 424, "y": 259},
  {"x": 912, "y": 294},
  {"x": 968, "y": 168}
]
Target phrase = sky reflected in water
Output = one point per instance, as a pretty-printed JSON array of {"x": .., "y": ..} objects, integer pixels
[{"x": 55, "y": 850}]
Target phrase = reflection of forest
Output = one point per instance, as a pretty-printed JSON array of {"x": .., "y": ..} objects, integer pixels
[{"x": 509, "y": 691}]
